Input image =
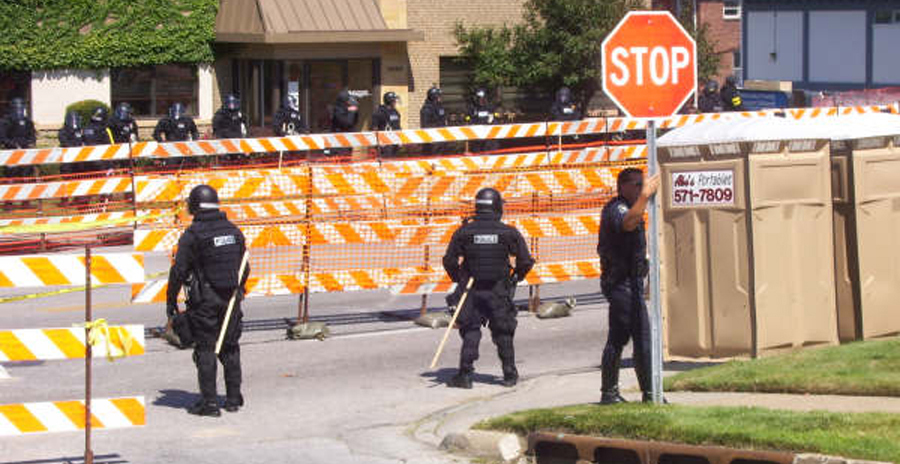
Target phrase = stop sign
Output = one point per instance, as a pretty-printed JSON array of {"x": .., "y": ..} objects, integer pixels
[{"x": 649, "y": 64}]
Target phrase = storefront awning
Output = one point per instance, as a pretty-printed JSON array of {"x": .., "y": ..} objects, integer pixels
[{"x": 306, "y": 21}]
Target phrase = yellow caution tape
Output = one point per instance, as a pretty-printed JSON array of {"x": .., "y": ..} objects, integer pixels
[
  {"x": 31, "y": 296},
  {"x": 74, "y": 226},
  {"x": 99, "y": 331}
]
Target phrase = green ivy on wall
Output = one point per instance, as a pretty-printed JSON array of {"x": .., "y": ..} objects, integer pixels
[{"x": 89, "y": 34}]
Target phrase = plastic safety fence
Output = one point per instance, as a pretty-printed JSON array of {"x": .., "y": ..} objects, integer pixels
[
  {"x": 52, "y": 270},
  {"x": 68, "y": 416},
  {"x": 68, "y": 343}
]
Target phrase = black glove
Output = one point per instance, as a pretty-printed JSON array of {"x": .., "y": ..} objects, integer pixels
[{"x": 171, "y": 310}]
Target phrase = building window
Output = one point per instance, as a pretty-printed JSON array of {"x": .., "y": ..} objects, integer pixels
[
  {"x": 731, "y": 9},
  {"x": 13, "y": 84},
  {"x": 887, "y": 17},
  {"x": 151, "y": 90}
]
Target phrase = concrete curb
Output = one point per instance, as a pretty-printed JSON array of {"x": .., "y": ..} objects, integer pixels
[
  {"x": 823, "y": 459},
  {"x": 495, "y": 445}
]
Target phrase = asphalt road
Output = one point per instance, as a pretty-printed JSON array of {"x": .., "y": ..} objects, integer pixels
[{"x": 354, "y": 398}]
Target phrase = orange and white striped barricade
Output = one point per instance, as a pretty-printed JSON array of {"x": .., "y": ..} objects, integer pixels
[
  {"x": 68, "y": 343},
  {"x": 50, "y": 270},
  {"x": 107, "y": 219},
  {"x": 75, "y": 154},
  {"x": 69, "y": 416},
  {"x": 64, "y": 189}
]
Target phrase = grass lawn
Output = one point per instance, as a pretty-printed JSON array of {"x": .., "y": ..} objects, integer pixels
[
  {"x": 873, "y": 436},
  {"x": 870, "y": 368}
]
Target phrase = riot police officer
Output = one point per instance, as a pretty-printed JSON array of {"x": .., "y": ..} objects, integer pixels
[
  {"x": 481, "y": 111},
  {"x": 229, "y": 122},
  {"x": 18, "y": 129},
  {"x": 176, "y": 126},
  {"x": 709, "y": 100},
  {"x": 387, "y": 118},
  {"x": 96, "y": 132},
  {"x": 563, "y": 108},
  {"x": 432, "y": 114},
  {"x": 344, "y": 113},
  {"x": 71, "y": 134},
  {"x": 344, "y": 116},
  {"x": 209, "y": 259},
  {"x": 485, "y": 245},
  {"x": 622, "y": 247},
  {"x": 122, "y": 125},
  {"x": 731, "y": 97},
  {"x": 287, "y": 120}
]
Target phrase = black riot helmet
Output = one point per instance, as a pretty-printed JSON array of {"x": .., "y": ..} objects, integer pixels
[
  {"x": 176, "y": 111},
  {"x": 434, "y": 95},
  {"x": 73, "y": 120},
  {"x": 99, "y": 115},
  {"x": 711, "y": 86},
  {"x": 123, "y": 111},
  {"x": 232, "y": 102},
  {"x": 202, "y": 197},
  {"x": 390, "y": 98},
  {"x": 17, "y": 109},
  {"x": 564, "y": 95},
  {"x": 291, "y": 102},
  {"x": 488, "y": 202}
]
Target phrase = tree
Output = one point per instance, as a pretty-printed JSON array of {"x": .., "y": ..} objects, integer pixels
[{"x": 558, "y": 43}]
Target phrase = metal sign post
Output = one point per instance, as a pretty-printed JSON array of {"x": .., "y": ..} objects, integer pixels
[
  {"x": 656, "y": 346},
  {"x": 88, "y": 452}
]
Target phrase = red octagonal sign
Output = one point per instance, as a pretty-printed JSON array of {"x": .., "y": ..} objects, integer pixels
[{"x": 649, "y": 64}]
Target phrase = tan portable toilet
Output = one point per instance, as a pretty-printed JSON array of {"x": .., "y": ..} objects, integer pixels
[
  {"x": 866, "y": 192},
  {"x": 747, "y": 250}
]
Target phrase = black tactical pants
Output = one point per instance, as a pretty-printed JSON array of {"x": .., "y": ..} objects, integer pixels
[
  {"x": 206, "y": 322},
  {"x": 628, "y": 319},
  {"x": 494, "y": 307}
]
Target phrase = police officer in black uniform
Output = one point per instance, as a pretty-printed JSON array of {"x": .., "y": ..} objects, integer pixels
[
  {"x": 431, "y": 115},
  {"x": 485, "y": 245},
  {"x": 122, "y": 125},
  {"x": 287, "y": 120},
  {"x": 344, "y": 113},
  {"x": 563, "y": 108},
  {"x": 95, "y": 132},
  {"x": 709, "y": 100},
  {"x": 623, "y": 260},
  {"x": 18, "y": 130},
  {"x": 72, "y": 132},
  {"x": 344, "y": 116},
  {"x": 387, "y": 118},
  {"x": 176, "y": 126},
  {"x": 731, "y": 97},
  {"x": 481, "y": 111},
  {"x": 229, "y": 122},
  {"x": 208, "y": 260}
]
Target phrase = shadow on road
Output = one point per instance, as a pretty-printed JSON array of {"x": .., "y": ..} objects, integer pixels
[
  {"x": 178, "y": 399},
  {"x": 441, "y": 376},
  {"x": 98, "y": 459}
]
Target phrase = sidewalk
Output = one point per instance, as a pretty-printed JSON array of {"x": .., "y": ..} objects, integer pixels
[{"x": 584, "y": 387}]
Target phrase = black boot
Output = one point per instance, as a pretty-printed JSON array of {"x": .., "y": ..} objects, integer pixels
[
  {"x": 233, "y": 403},
  {"x": 205, "y": 408},
  {"x": 609, "y": 388},
  {"x": 611, "y": 396},
  {"x": 460, "y": 380}
]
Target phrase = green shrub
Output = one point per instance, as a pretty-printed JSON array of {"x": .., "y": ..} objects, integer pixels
[{"x": 85, "y": 108}]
